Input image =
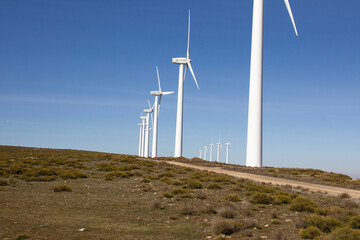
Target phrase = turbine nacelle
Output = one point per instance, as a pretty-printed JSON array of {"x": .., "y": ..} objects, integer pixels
[
  {"x": 143, "y": 117},
  {"x": 181, "y": 60}
]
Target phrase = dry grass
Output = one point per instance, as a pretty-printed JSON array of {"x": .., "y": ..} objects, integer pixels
[{"x": 134, "y": 198}]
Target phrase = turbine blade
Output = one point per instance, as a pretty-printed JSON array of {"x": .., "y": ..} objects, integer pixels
[
  {"x": 167, "y": 93},
  {"x": 152, "y": 121},
  {"x": 192, "y": 73},
  {"x": 157, "y": 72},
  {"x": 185, "y": 72},
  {"x": 149, "y": 104},
  {"x": 291, "y": 15},
  {"x": 188, "y": 43},
  {"x": 159, "y": 106}
]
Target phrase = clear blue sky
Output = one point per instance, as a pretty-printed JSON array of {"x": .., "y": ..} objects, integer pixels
[{"x": 77, "y": 74}]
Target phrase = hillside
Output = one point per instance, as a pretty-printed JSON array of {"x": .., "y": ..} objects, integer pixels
[{"x": 69, "y": 194}]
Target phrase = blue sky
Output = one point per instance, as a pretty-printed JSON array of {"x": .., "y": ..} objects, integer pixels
[{"x": 76, "y": 74}]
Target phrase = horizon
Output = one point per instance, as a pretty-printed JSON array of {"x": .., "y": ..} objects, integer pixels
[{"x": 77, "y": 74}]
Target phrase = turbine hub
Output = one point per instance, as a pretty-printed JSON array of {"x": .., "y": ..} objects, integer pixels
[
  {"x": 181, "y": 60},
  {"x": 155, "y": 93}
]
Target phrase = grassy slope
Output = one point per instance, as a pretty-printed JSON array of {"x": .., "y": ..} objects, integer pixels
[{"x": 122, "y": 197}]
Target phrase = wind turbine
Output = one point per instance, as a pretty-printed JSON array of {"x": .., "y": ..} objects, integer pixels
[
  {"x": 227, "y": 151},
  {"x": 182, "y": 61},
  {"x": 140, "y": 138},
  {"x": 211, "y": 148},
  {"x": 200, "y": 154},
  {"x": 254, "y": 133},
  {"x": 147, "y": 130},
  {"x": 157, "y": 102},
  {"x": 218, "y": 150},
  {"x": 205, "y": 151},
  {"x": 143, "y": 118}
]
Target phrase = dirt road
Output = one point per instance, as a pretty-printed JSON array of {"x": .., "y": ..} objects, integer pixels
[{"x": 273, "y": 180}]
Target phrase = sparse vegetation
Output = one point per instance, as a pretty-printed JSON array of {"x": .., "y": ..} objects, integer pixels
[
  {"x": 62, "y": 188},
  {"x": 145, "y": 196}
]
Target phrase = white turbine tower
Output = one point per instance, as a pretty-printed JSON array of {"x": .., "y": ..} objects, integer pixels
[
  {"x": 211, "y": 148},
  {"x": 205, "y": 151},
  {"x": 143, "y": 118},
  {"x": 140, "y": 137},
  {"x": 200, "y": 154},
  {"x": 147, "y": 130},
  {"x": 157, "y": 102},
  {"x": 227, "y": 151},
  {"x": 254, "y": 133},
  {"x": 218, "y": 150},
  {"x": 179, "y": 117}
]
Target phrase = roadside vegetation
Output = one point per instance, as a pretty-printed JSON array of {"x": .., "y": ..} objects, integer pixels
[
  {"x": 55, "y": 194},
  {"x": 300, "y": 174}
]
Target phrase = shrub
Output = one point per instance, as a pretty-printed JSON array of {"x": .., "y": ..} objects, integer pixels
[
  {"x": 225, "y": 227},
  {"x": 23, "y": 236},
  {"x": 187, "y": 211},
  {"x": 348, "y": 204},
  {"x": 261, "y": 198},
  {"x": 106, "y": 167},
  {"x": 167, "y": 174},
  {"x": 233, "y": 198},
  {"x": 177, "y": 191},
  {"x": 344, "y": 195},
  {"x": 345, "y": 233},
  {"x": 71, "y": 174},
  {"x": 339, "y": 213},
  {"x": 3, "y": 182},
  {"x": 309, "y": 233},
  {"x": 275, "y": 221},
  {"x": 210, "y": 209},
  {"x": 201, "y": 195},
  {"x": 177, "y": 183},
  {"x": 301, "y": 204},
  {"x": 128, "y": 167},
  {"x": 112, "y": 175},
  {"x": 227, "y": 212},
  {"x": 325, "y": 224},
  {"x": 355, "y": 222},
  {"x": 168, "y": 195},
  {"x": 282, "y": 198},
  {"x": 195, "y": 185},
  {"x": 165, "y": 179},
  {"x": 158, "y": 205},
  {"x": 214, "y": 186},
  {"x": 62, "y": 188},
  {"x": 172, "y": 217}
]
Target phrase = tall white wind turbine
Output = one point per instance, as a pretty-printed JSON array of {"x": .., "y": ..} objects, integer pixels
[
  {"x": 200, "y": 156},
  {"x": 254, "y": 133},
  {"x": 147, "y": 130},
  {"x": 140, "y": 137},
  {"x": 218, "y": 150},
  {"x": 205, "y": 151},
  {"x": 143, "y": 118},
  {"x": 210, "y": 149},
  {"x": 157, "y": 102},
  {"x": 179, "y": 117},
  {"x": 227, "y": 151}
]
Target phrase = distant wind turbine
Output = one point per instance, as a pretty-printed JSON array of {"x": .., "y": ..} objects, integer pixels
[
  {"x": 182, "y": 61},
  {"x": 200, "y": 156},
  {"x": 205, "y": 151},
  {"x": 147, "y": 130},
  {"x": 140, "y": 138},
  {"x": 157, "y": 102},
  {"x": 211, "y": 148},
  {"x": 227, "y": 151},
  {"x": 254, "y": 132},
  {"x": 143, "y": 118},
  {"x": 218, "y": 150}
]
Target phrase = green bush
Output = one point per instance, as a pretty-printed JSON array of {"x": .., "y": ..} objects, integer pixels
[
  {"x": 111, "y": 175},
  {"x": 355, "y": 222},
  {"x": 71, "y": 174},
  {"x": 179, "y": 191},
  {"x": 106, "y": 167},
  {"x": 128, "y": 167},
  {"x": 3, "y": 182},
  {"x": 261, "y": 198},
  {"x": 325, "y": 224},
  {"x": 195, "y": 185},
  {"x": 62, "y": 188},
  {"x": 233, "y": 198},
  {"x": 303, "y": 204},
  {"x": 282, "y": 198},
  {"x": 23, "y": 236},
  {"x": 168, "y": 195},
  {"x": 310, "y": 233},
  {"x": 167, "y": 174},
  {"x": 214, "y": 186},
  {"x": 187, "y": 210},
  {"x": 166, "y": 180},
  {"x": 345, "y": 233},
  {"x": 225, "y": 227}
]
